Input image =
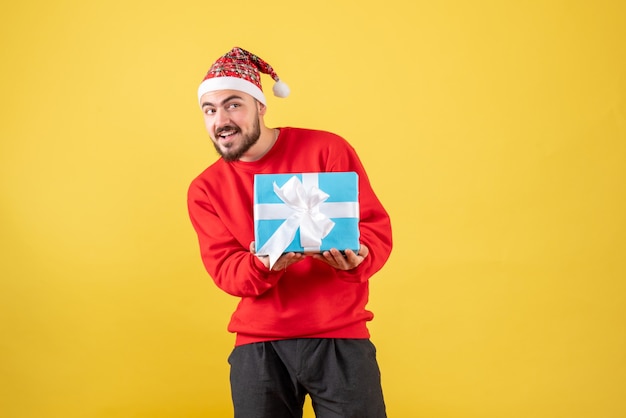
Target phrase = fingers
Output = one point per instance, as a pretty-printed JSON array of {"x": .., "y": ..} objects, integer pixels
[
  {"x": 333, "y": 257},
  {"x": 346, "y": 261},
  {"x": 282, "y": 263},
  {"x": 286, "y": 260}
]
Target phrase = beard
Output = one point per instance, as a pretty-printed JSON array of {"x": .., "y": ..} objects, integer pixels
[{"x": 234, "y": 151}]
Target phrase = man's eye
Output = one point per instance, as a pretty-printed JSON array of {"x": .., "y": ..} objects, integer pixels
[
  {"x": 209, "y": 111},
  {"x": 233, "y": 105}
]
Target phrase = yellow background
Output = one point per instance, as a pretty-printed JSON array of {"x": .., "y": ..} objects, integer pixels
[{"x": 493, "y": 131}]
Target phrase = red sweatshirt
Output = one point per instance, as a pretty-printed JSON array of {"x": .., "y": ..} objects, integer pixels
[{"x": 310, "y": 299}]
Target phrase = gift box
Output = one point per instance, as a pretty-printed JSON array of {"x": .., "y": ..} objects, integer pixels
[{"x": 306, "y": 212}]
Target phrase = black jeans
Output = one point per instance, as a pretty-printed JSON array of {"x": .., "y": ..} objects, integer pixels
[{"x": 271, "y": 379}]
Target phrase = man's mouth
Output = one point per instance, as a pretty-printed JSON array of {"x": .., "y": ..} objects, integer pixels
[{"x": 225, "y": 135}]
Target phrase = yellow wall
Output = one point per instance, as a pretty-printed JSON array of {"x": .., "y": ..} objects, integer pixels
[{"x": 494, "y": 132}]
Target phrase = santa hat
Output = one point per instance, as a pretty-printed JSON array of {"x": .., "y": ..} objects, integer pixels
[{"x": 239, "y": 70}]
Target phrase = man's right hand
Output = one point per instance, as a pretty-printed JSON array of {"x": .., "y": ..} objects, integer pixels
[{"x": 282, "y": 263}]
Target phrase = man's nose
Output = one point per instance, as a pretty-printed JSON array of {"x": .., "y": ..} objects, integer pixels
[{"x": 221, "y": 117}]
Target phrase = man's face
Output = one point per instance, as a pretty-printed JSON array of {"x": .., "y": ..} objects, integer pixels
[{"x": 232, "y": 120}]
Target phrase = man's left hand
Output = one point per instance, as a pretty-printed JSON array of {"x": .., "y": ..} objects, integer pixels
[{"x": 346, "y": 261}]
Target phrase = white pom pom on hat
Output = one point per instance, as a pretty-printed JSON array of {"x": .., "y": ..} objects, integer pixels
[
  {"x": 280, "y": 89},
  {"x": 240, "y": 70}
]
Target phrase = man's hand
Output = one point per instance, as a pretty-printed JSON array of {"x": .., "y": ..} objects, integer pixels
[
  {"x": 282, "y": 263},
  {"x": 333, "y": 258},
  {"x": 346, "y": 261}
]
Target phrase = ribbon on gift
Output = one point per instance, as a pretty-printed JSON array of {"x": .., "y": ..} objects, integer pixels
[{"x": 304, "y": 208}]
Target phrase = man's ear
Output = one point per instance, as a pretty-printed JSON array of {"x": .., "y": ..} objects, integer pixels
[{"x": 262, "y": 108}]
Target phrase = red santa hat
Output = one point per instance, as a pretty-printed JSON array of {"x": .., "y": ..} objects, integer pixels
[{"x": 239, "y": 70}]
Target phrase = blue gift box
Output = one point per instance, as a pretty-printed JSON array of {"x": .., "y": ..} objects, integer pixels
[{"x": 305, "y": 212}]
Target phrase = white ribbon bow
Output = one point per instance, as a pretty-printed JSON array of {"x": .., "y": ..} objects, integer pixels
[{"x": 304, "y": 213}]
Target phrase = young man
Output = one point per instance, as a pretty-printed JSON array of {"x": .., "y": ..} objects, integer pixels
[{"x": 301, "y": 324}]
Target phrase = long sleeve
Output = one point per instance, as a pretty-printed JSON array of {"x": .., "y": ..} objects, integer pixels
[
  {"x": 374, "y": 223},
  {"x": 227, "y": 260}
]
